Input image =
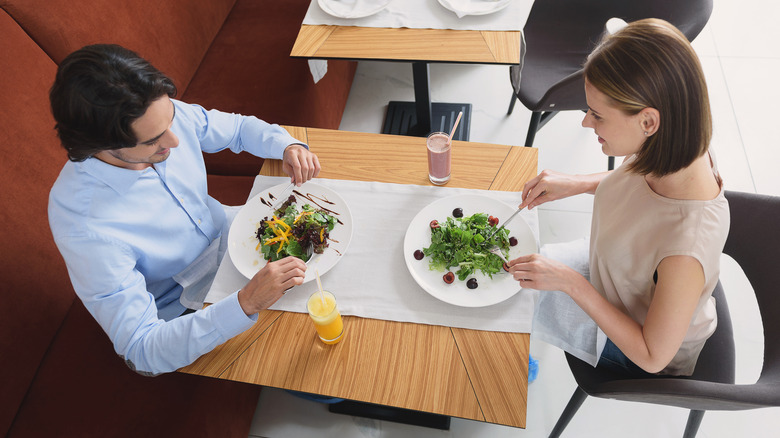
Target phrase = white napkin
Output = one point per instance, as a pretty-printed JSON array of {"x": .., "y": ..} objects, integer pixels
[
  {"x": 372, "y": 279},
  {"x": 558, "y": 320},
  {"x": 425, "y": 14},
  {"x": 614, "y": 24},
  {"x": 462, "y": 8},
  {"x": 318, "y": 68},
  {"x": 352, "y": 8}
]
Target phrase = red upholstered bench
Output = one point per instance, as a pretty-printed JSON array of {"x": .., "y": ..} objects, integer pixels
[{"x": 61, "y": 376}]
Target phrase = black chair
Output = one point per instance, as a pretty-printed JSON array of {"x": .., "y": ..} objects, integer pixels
[
  {"x": 754, "y": 243},
  {"x": 560, "y": 34}
]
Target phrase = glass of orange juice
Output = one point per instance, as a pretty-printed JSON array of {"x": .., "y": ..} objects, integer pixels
[{"x": 326, "y": 317}]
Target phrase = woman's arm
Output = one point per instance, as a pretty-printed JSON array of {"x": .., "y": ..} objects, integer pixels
[
  {"x": 549, "y": 186},
  {"x": 652, "y": 346}
]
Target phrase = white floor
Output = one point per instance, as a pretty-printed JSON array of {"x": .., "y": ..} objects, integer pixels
[{"x": 741, "y": 58}]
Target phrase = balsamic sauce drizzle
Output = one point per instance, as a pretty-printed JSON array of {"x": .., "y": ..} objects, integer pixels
[{"x": 309, "y": 196}]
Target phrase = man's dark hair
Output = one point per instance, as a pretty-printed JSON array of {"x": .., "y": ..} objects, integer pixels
[{"x": 99, "y": 91}]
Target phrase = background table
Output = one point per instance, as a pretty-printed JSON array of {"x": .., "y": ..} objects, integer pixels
[
  {"x": 420, "y": 47},
  {"x": 472, "y": 374}
]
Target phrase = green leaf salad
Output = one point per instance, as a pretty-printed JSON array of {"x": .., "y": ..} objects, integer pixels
[
  {"x": 288, "y": 232},
  {"x": 463, "y": 243}
]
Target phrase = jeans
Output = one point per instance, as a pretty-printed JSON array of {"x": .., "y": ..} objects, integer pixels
[{"x": 614, "y": 360}]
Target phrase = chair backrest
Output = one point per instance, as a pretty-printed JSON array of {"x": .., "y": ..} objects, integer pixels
[
  {"x": 717, "y": 360},
  {"x": 754, "y": 243},
  {"x": 559, "y": 35},
  {"x": 580, "y": 23}
]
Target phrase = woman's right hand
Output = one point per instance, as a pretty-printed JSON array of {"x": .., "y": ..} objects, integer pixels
[{"x": 550, "y": 185}]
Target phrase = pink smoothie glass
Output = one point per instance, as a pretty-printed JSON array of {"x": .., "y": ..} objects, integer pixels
[{"x": 439, "y": 157}]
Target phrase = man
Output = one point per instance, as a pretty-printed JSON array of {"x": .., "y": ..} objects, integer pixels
[{"x": 131, "y": 215}]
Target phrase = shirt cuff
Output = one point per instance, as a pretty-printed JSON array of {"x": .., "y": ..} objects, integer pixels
[
  {"x": 295, "y": 143},
  {"x": 229, "y": 318}
]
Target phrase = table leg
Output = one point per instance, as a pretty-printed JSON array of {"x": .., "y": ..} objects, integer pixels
[
  {"x": 421, "y": 75},
  {"x": 421, "y": 117}
]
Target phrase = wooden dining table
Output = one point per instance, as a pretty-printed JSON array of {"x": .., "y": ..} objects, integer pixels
[
  {"x": 474, "y": 374},
  {"x": 420, "y": 47}
]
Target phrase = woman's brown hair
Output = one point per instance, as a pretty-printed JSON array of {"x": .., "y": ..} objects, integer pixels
[{"x": 650, "y": 63}]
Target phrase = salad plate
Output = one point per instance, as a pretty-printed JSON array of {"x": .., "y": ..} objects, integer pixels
[
  {"x": 352, "y": 8},
  {"x": 474, "y": 7},
  {"x": 490, "y": 290},
  {"x": 242, "y": 237}
]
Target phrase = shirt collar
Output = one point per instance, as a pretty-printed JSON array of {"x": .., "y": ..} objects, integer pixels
[
  {"x": 160, "y": 167},
  {"x": 118, "y": 178}
]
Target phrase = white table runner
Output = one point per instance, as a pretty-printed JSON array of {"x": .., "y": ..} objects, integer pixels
[
  {"x": 427, "y": 14},
  {"x": 372, "y": 279}
]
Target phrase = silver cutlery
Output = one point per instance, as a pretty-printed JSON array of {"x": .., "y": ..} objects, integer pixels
[{"x": 283, "y": 195}]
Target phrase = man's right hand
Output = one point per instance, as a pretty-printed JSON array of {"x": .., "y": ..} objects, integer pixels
[{"x": 270, "y": 283}]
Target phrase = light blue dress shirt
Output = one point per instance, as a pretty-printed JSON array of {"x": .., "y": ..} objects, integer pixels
[{"x": 125, "y": 233}]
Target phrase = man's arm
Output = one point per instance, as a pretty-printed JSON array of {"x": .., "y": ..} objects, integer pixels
[
  {"x": 217, "y": 131},
  {"x": 114, "y": 292}
]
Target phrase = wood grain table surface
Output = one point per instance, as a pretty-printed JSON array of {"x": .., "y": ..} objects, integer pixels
[
  {"x": 472, "y": 374},
  {"x": 404, "y": 44}
]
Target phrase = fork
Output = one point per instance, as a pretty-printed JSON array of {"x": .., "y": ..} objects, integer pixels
[
  {"x": 497, "y": 251},
  {"x": 309, "y": 251}
]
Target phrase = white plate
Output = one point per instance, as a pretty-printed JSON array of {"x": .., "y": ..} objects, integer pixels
[
  {"x": 490, "y": 291},
  {"x": 242, "y": 238},
  {"x": 352, "y": 8},
  {"x": 474, "y": 7}
]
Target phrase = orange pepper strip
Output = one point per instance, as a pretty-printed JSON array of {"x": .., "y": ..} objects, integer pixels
[
  {"x": 271, "y": 241},
  {"x": 281, "y": 223},
  {"x": 302, "y": 214}
]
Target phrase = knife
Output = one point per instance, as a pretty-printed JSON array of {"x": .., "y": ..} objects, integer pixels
[
  {"x": 283, "y": 195},
  {"x": 505, "y": 223},
  {"x": 544, "y": 192}
]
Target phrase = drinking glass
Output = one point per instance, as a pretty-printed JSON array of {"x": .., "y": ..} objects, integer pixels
[
  {"x": 439, "y": 157},
  {"x": 326, "y": 317}
]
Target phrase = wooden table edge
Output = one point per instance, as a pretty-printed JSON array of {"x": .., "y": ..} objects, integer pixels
[{"x": 311, "y": 39}]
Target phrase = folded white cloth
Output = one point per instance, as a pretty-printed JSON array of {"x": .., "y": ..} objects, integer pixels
[
  {"x": 318, "y": 68},
  {"x": 352, "y": 8},
  {"x": 372, "y": 280},
  {"x": 614, "y": 24},
  {"x": 558, "y": 320},
  {"x": 417, "y": 14},
  {"x": 463, "y": 8}
]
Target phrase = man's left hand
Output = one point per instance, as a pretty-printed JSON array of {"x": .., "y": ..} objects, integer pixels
[{"x": 300, "y": 164}]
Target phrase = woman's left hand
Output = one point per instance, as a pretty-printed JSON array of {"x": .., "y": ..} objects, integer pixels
[
  {"x": 300, "y": 164},
  {"x": 541, "y": 273}
]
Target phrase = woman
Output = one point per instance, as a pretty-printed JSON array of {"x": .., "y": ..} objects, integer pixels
[{"x": 660, "y": 220}]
